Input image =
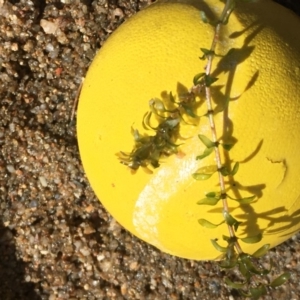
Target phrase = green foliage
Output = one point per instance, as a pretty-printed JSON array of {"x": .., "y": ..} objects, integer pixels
[
  {"x": 203, "y": 79},
  {"x": 261, "y": 251},
  {"x": 205, "y": 173},
  {"x": 280, "y": 279},
  {"x": 149, "y": 149},
  {"x": 250, "y": 284},
  {"x": 206, "y": 141},
  {"x": 253, "y": 239},
  {"x": 168, "y": 114},
  {"x": 207, "y": 224},
  {"x": 211, "y": 199},
  {"x": 203, "y": 17}
]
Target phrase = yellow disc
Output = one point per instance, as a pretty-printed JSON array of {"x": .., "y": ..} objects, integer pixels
[{"x": 156, "y": 52}]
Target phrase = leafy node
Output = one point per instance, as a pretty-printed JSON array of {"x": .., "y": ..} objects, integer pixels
[{"x": 149, "y": 149}]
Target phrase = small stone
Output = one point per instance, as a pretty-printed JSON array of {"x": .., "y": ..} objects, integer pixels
[
  {"x": 12, "y": 127},
  {"x": 14, "y": 47},
  {"x": 134, "y": 266},
  {"x": 124, "y": 289},
  {"x": 118, "y": 12},
  {"x": 28, "y": 47},
  {"x": 85, "y": 251},
  {"x": 89, "y": 208},
  {"x": 100, "y": 257},
  {"x": 49, "y": 27},
  {"x": 43, "y": 181},
  {"x": 10, "y": 169},
  {"x": 88, "y": 230}
]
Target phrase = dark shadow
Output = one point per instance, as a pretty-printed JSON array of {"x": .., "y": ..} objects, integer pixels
[
  {"x": 274, "y": 216},
  {"x": 250, "y": 219},
  {"x": 252, "y": 155},
  {"x": 291, "y": 4},
  {"x": 256, "y": 189},
  {"x": 228, "y": 64},
  {"x": 12, "y": 271},
  {"x": 289, "y": 222}
]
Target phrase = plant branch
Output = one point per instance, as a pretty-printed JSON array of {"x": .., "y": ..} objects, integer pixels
[{"x": 226, "y": 12}]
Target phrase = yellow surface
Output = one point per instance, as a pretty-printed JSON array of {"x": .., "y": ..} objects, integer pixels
[{"x": 157, "y": 50}]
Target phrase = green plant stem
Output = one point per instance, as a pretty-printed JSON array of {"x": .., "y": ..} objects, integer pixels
[{"x": 212, "y": 121}]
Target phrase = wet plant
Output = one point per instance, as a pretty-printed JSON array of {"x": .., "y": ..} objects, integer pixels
[{"x": 168, "y": 115}]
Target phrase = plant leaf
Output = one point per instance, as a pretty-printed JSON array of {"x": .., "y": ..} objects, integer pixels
[
  {"x": 230, "y": 220},
  {"x": 206, "y": 141},
  {"x": 209, "y": 80},
  {"x": 204, "y": 172},
  {"x": 235, "y": 285},
  {"x": 280, "y": 279},
  {"x": 188, "y": 110},
  {"x": 227, "y": 264},
  {"x": 208, "y": 201},
  {"x": 224, "y": 171},
  {"x": 258, "y": 291},
  {"x": 253, "y": 239},
  {"x": 146, "y": 121},
  {"x": 251, "y": 268},
  {"x": 245, "y": 262},
  {"x": 208, "y": 224},
  {"x": 225, "y": 238},
  {"x": 136, "y": 134},
  {"x": 246, "y": 265},
  {"x": 197, "y": 77},
  {"x": 244, "y": 269},
  {"x": 201, "y": 176},
  {"x": 206, "y": 53},
  {"x": 205, "y": 153},
  {"x": 244, "y": 294},
  {"x": 203, "y": 16},
  {"x": 227, "y": 147},
  {"x": 261, "y": 251},
  {"x": 156, "y": 104},
  {"x": 218, "y": 247},
  {"x": 225, "y": 18},
  {"x": 211, "y": 195}
]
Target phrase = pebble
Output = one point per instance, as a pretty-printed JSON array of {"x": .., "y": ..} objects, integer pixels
[
  {"x": 43, "y": 181},
  {"x": 49, "y": 27},
  {"x": 10, "y": 169}
]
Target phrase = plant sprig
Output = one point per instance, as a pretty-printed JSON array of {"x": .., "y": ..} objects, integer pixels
[
  {"x": 251, "y": 284},
  {"x": 168, "y": 115}
]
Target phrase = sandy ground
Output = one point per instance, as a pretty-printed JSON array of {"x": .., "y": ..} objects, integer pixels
[{"x": 56, "y": 240}]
